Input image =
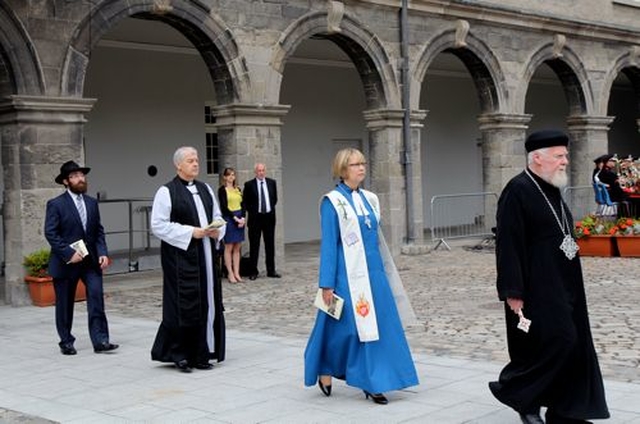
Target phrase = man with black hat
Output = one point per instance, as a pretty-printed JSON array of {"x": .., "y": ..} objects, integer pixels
[
  {"x": 78, "y": 251},
  {"x": 553, "y": 360}
]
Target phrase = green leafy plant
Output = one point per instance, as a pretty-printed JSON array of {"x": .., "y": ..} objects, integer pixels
[
  {"x": 592, "y": 225},
  {"x": 627, "y": 227},
  {"x": 37, "y": 263}
]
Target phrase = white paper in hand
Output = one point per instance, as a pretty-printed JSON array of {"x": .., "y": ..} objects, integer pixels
[
  {"x": 80, "y": 247},
  {"x": 334, "y": 310},
  {"x": 215, "y": 224},
  {"x": 524, "y": 323}
]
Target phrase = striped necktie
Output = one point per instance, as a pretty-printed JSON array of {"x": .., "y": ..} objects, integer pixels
[{"x": 82, "y": 211}]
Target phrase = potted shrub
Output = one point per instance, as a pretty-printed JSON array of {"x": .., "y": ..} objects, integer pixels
[
  {"x": 595, "y": 236},
  {"x": 40, "y": 282}
]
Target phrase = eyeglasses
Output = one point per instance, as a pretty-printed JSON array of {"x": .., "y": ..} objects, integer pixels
[{"x": 355, "y": 165}]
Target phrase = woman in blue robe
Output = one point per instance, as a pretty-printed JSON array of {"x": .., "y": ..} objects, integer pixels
[{"x": 334, "y": 348}]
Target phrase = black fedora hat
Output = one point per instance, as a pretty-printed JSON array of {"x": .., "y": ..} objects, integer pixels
[{"x": 69, "y": 167}]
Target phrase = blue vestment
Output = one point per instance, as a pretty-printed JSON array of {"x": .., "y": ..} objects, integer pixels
[{"x": 334, "y": 348}]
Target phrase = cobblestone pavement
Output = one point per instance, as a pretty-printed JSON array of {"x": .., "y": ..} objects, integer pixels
[{"x": 452, "y": 292}]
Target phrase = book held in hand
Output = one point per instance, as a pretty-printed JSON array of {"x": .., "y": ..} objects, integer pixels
[
  {"x": 334, "y": 310},
  {"x": 80, "y": 247},
  {"x": 215, "y": 224}
]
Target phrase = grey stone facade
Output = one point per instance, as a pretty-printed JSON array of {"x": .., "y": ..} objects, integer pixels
[{"x": 45, "y": 48}]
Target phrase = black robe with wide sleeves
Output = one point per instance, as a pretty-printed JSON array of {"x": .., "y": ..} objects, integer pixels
[
  {"x": 555, "y": 364},
  {"x": 182, "y": 333}
]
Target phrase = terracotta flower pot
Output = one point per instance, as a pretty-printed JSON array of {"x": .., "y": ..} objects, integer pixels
[
  {"x": 597, "y": 246},
  {"x": 43, "y": 294},
  {"x": 628, "y": 246}
]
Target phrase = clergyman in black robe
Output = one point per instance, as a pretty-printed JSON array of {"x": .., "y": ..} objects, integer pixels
[
  {"x": 193, "y": 328},
  {"x": 554, "y": 364}
]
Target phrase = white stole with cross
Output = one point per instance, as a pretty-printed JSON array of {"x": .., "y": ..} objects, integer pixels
[{"x": 356, "y": 266}]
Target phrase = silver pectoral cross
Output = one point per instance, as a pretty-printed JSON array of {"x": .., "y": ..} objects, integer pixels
[{"x": 569, "y": 247}]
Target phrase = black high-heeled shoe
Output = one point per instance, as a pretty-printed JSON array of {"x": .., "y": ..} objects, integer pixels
[
  {"x": 326, "y": 390},
  {"x": 378, "y": 398}
]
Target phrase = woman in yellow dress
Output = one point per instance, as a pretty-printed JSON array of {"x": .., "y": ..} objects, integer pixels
[{"x": 230, "y": 198}]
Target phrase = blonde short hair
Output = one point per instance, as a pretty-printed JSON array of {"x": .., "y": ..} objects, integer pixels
[{"x": 341, "y": 161}]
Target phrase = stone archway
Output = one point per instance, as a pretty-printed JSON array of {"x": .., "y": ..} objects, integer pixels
[
  {"x": 570, "y": 71},
  {"x": 482, "y": 161},
  {"x": 477, "y": 57},
  {"x": 587, "y": 129},
  {"x": 362, "y": 46},
  {"x": 624, "y": 104},
  {"x": 197, "y": 22},
  {"x": 21, "y": 76},
  {"x": 20, "y": 69},
  {"x": 383, "y": 114}
]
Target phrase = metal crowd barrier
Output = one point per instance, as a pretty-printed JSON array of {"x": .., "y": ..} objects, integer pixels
[
  {"x": 465, "y": 215},
  {"x": 113, "y": 216}
]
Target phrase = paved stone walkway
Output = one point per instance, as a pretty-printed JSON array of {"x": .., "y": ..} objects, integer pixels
[{"x": 458, "y": 347}]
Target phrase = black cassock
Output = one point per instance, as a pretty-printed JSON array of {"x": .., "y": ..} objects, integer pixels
[
  {"x": 182, "y": 333},
  {"x": 555, "y": 363}
]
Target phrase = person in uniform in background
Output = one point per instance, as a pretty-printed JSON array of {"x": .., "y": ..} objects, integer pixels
[
  {"x": 553, "y": 360},
  {"x": 193, "y": 328}
]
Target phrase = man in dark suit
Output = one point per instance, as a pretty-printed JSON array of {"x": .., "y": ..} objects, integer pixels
[
  {"x": 71, "y": 217},
  {"x": 259, "y": 198}
]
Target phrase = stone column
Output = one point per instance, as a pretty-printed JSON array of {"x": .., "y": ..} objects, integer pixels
[
  {"x": 503, "y": 154},
  {"x": 588, "y": 137},
  {"x": 248, "y": 134},
  {"x": 37, "y": 134},
  {"x": 387, "y": 175}
]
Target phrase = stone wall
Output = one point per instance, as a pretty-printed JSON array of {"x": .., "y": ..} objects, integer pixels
[{"x": 45, "y": 48}]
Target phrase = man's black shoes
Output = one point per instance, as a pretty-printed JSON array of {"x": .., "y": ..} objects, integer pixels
[
  {"x": 274, "y": 275},
  {"x": 533, "y": 418},
  {"x": 68, "y": 349},
  {"x": 105, "y": 347},
  {"x": 203, "y": 366}
]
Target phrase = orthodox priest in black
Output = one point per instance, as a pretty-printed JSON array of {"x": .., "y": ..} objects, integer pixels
[
  {"x": 192, "y": 330},
  {"x": 553, "y": 362}
]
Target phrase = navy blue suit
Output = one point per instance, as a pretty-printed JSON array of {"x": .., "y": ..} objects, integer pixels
[{"x": 63, "y": 227}]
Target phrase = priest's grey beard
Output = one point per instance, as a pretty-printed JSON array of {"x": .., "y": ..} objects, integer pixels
[{"x": 559, "y": 179}]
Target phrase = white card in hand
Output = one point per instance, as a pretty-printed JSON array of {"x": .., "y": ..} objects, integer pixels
[{"x": 524, "y": 323}]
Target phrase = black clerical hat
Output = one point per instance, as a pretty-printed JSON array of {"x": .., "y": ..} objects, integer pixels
[
  {"x": 602, "y": 158},
  {"x": 69, "y": 167},
  {"x": 545, "y": 138}
]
